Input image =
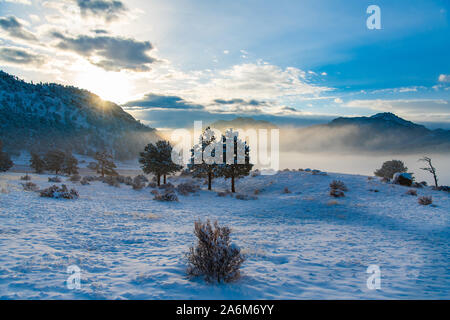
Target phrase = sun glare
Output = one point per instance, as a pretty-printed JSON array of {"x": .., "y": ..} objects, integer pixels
[{"x": 111, "y": 86}]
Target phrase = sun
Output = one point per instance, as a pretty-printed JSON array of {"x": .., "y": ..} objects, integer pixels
[{"x": 111, "y": 86}]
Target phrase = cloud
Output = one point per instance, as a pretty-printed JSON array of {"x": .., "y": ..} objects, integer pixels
[
  {"x": 239, "y": 101},
  {"x": 21, "y": 56},
  {"x": 154, "y": 101},
  {"x": 26, "y": 2},
  {"x": 444, "y": 78},
  {"x": 14, "y": 28},
  {"x": 109, "y": 10},
  {"x": 108, "y": 52}
]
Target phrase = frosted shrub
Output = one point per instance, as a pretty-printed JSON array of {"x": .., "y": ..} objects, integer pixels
[
  {"x": 245, "y": 197},
  {"x": 152, "y": 185},
  {"x": 155, "y": 192},
  {"x": 112, "y": 181},
  {"x": 166, "y": 196},
  {"x": 75, "y": 178},
  {"x": 337, "y": 193},
  {"x": 425, "y": 200},
  {"x": 411, "y": 192},
  {"x": 84, "y": 181},
  {"x": 30, "y": 186},
  {"x": 25, "y": 178},
  {"x": 286, "y": 190},
  {"x": 214, "y": 257},
  {"x": 338, "y": 185},
  {"x": 59, "y": 192},
  {"x": 54, "y": 179},
  {"x": 138, "y": 184},
  {"x": 141, "y": 177},
  {"x": 187, "y": 188}
]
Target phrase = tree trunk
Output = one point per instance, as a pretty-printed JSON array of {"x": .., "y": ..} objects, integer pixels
[
  {"x": 164, "y": 179},
  {"x": 209, "y": 180},
  {"x": 159, "y": 179},
  {"x": 435, "y": 180},
  {"x": 232, "y": 184}
]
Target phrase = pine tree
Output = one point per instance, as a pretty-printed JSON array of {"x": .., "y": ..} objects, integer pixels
[
  {"x": 157, "y": 159},
  {"x": 54, "y": 160},
  {"x": 37, "y": 163},
  {"x": 5, "y": 160},
  {"x": 202, "y": 163},
  {"x": 237, "y": 163},
  {"x": 70, "y": 165},
  {"x": 105, "y": 164}
]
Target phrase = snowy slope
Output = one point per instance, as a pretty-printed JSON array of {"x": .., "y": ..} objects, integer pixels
[{"x": 300, "y": 245}]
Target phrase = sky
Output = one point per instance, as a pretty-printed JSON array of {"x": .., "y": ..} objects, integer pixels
[{"x": 290, "y": 62}]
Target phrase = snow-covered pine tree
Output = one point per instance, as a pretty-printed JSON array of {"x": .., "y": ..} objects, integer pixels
[
  {"x": 5, "y": 160},
  {"x": 54, "y": 160},
  {"x": 202, "y": 167},
  {"x": 237, "y": 163},
  {"x": 37, "y": 163},
  {"x": 105, "y": 164},
  {"x": 70, "y": 165},
  {"x": 157, "y": 159}
]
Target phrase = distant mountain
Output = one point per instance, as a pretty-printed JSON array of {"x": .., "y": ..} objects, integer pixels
[
  {"x": 38, "y": 117},
  {"x": 380, "y": 132},
  {"x": 243, "y": 123}
]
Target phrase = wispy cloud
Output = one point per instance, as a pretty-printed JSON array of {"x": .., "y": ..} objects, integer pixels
[
  {"x": 108, "y": 52},
  {"x": 15, "y": 29},
  {"x": 20, "y": 56},
  {"x": 109, "y": 10}
]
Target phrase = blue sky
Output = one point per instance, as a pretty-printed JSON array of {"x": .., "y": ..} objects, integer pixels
[{"x": 172, "y": 62}]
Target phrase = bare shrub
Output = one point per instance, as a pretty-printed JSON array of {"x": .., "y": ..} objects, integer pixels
[
  {"x": 222, "y": 194},
  {"x": 125, "y": 180},
  {"x": 59, "y": 192},
  {"x": 337, "y": 193},
  {"x": 166, "y": 196},
  {"x": 154, "y": 192},
  {"x": 411, "y": 192},
  {"x": 84, "y": 181},
  {"x": 75, "y": 178},
  {"x": 338, "y": 185},
  {"x": 25, "y": 178},
  {"x": 286, "y": 190},
  {"x": 256, "y": 192},
  {"x": 214, "y": 257},
  {"x": 425, "y": 200},
  {"x": 167, "y": 186},
  {"x": 30, "y": 186},
  {"x": 54, "y": 179}
]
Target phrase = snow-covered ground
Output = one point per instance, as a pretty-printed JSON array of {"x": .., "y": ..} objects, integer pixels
[{"x": 299, "y": 245}]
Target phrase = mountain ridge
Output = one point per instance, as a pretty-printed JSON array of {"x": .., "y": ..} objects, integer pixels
[{"x": 38, "y": 117}]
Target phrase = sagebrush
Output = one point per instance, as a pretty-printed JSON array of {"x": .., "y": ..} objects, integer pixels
[{"x": 214, "y": 257}]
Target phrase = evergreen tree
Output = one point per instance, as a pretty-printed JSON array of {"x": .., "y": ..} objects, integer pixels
[
  {"x": 54, "y": 160},
  {"x": 105, "y": 164},
  {"x": 70, "y": 165},
  {"x": 5, "y": 160},
  {"x": 202, "y": 164},
  {"x": 157, "y": 159},
  {"x": 37, "y": 163},
  {"x": 237, "y": 164}
]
